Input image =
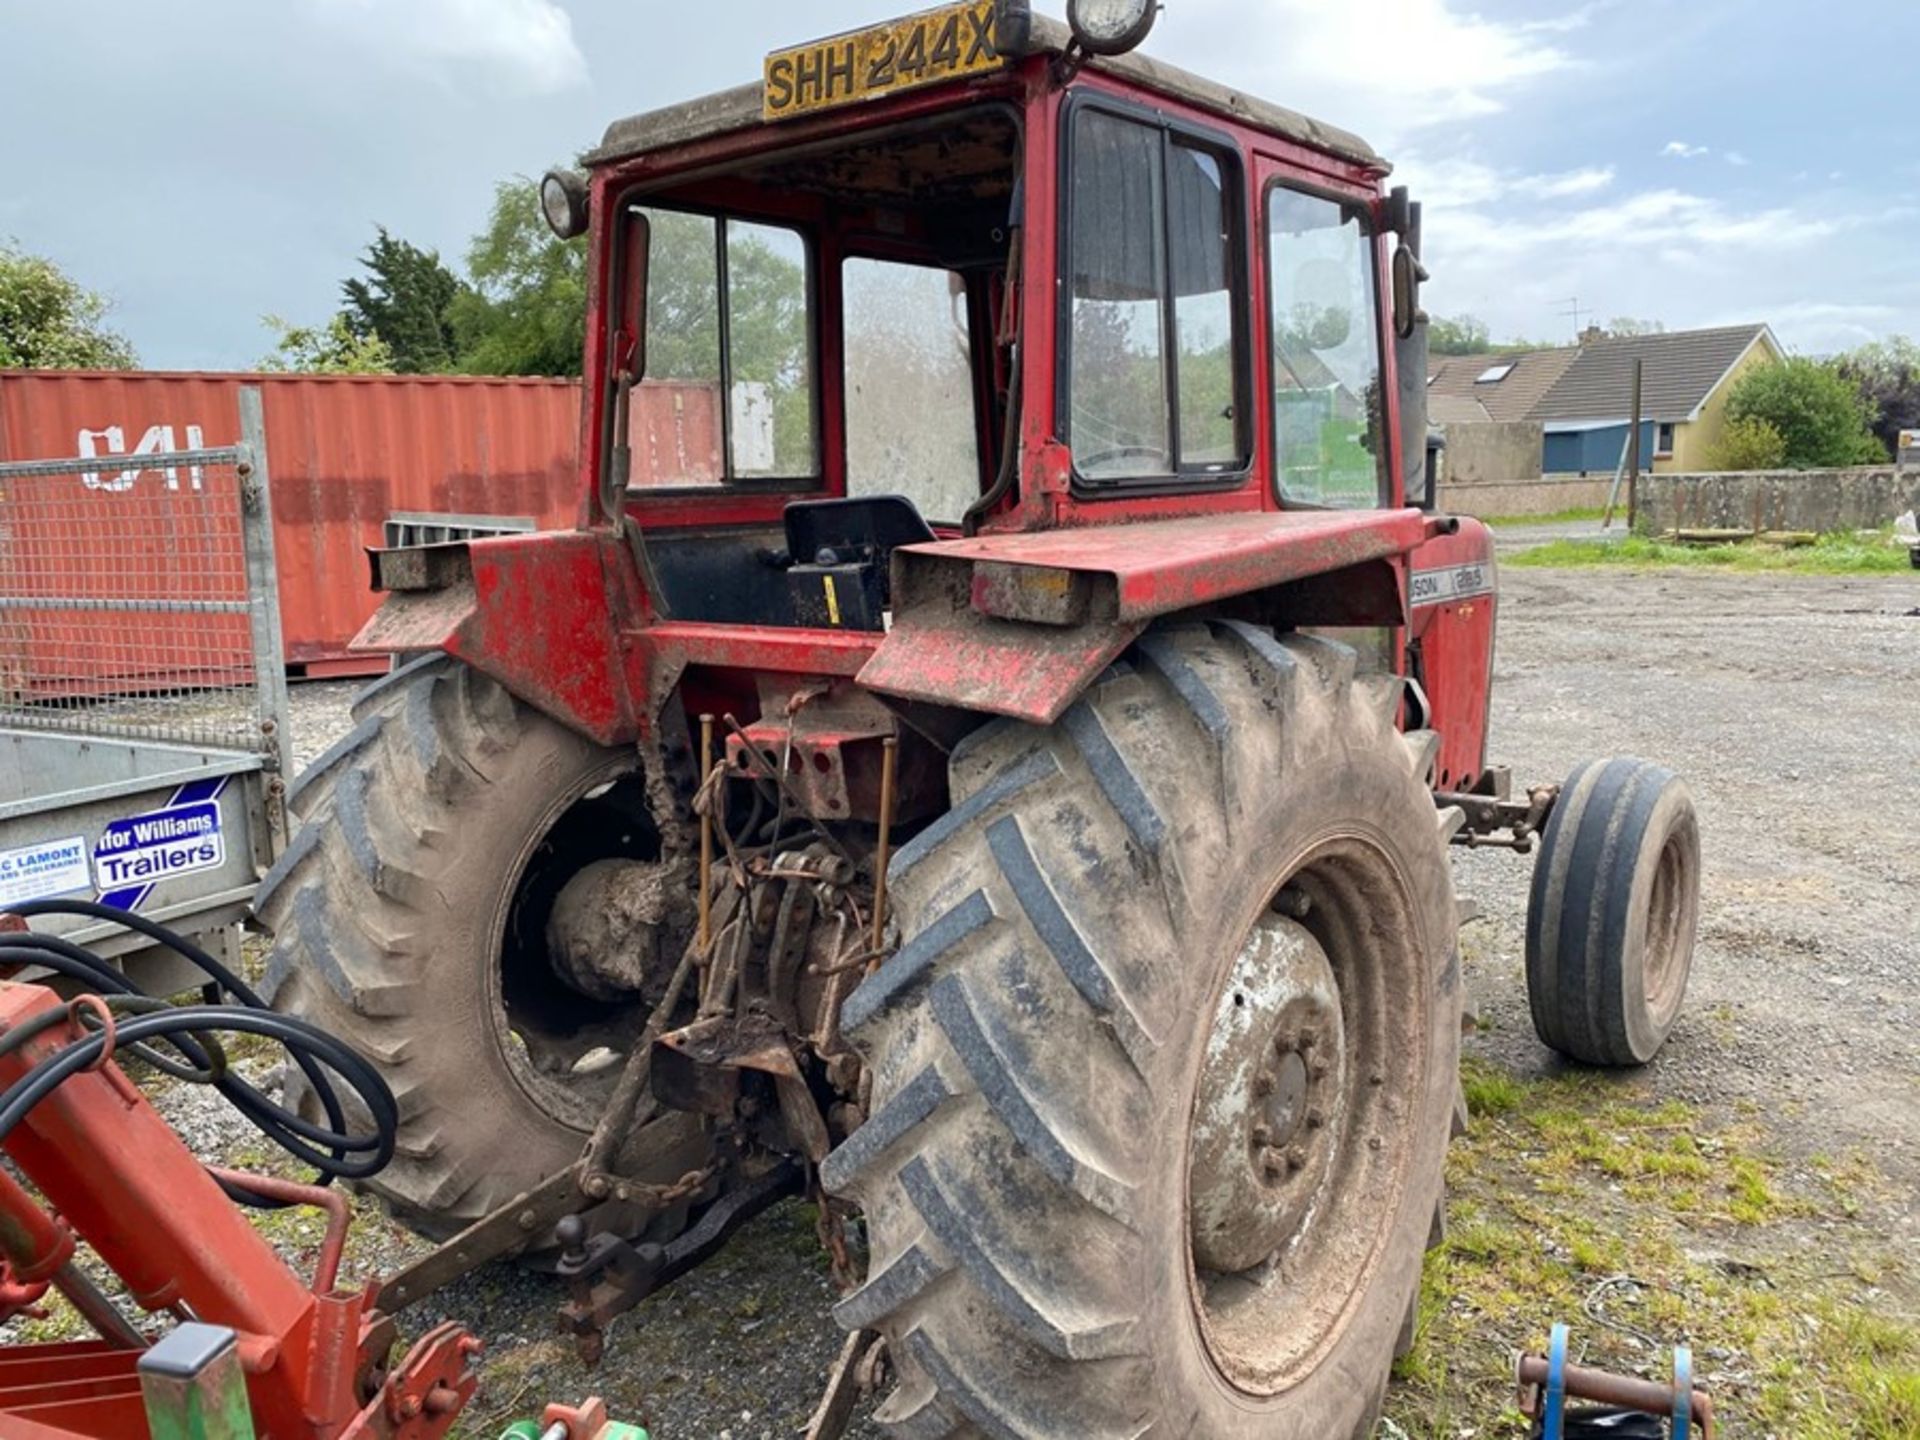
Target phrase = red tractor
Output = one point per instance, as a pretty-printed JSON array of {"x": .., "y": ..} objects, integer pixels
[{"x": 988, "y": 752}]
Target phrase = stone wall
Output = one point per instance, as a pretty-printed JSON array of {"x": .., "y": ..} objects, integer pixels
[
  {"x": 1817, "y": 500},
  {"x": 1492, "y": 451},
  {"x": 1546, "y": 496}
]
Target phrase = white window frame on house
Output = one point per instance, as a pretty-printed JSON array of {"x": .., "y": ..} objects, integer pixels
[{"x": 1663, "y": 440}]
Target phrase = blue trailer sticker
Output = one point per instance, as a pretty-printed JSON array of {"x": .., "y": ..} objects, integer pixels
[
  {"x": 134, "y": 854},
  {"x": 50, "y": 867}
]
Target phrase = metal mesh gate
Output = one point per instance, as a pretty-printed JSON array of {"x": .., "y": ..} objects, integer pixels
[{"x": 138, "y": 599}]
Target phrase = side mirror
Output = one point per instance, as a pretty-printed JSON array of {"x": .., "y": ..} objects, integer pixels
[
  {"x": 630, "y": 335},
  {"x": 1408, "y": 272}
]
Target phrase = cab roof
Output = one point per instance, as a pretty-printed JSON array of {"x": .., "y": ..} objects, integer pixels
[{"x": 739, "y": 109}]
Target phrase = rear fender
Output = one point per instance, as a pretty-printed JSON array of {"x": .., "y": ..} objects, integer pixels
[
  {"x": 1020, "y": 624},
  {"x": 1451, "y": 604},
  {"x": 542, "y": 613}
]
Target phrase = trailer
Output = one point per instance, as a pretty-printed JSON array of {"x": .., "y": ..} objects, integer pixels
[{"x": 143, "y": 696}]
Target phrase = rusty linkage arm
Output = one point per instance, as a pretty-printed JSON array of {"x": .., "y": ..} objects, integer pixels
[
  {"x": 1497, "y": 820},
  {"x": 606, "y": 1276}
]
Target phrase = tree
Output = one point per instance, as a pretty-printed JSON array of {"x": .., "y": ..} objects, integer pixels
[
  {"x": 1887, "y": 373},
  {"x": 48, "y": 321},
  {"x": 1625, "y": 325},
  {"x": 1458, "y": 335},
  {"x": 406, "y": 302},
  {"x": 1749, "y": 443},
  {"x": 526, "y": 310},
  {"x": 330, "y": 349},
  {"x": 1821, "y": 416}
]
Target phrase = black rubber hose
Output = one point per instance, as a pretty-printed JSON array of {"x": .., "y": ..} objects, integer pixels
[
  {"x": 295, "y": 1035},
  {"x": 249, "y": 1014},
  {"x": 154, "y": 931},
  {"x": 245, "y": 1098}
]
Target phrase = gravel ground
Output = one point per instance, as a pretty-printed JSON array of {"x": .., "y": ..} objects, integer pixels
[{"x": 1785, "y": 701}]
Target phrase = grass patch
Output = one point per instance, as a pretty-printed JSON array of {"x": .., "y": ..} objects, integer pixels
[
  {"x": 1489, "y": 1089},
  {"x": 1557, "y": 517},
  {"x": 1643, "y": 1225},
  {"x": 1844, "y": 553}
]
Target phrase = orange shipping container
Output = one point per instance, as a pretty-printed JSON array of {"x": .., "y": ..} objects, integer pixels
[{"x": 348, "y": 455}]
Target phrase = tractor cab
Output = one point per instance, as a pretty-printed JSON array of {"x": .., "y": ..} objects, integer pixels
[{"x": 972, "y": 273}]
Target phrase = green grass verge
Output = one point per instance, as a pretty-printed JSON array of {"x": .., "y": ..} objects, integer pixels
[
  {"x": 1840, "y": 554},
  {"x": 1644, "y": 1224},
  {"x": 1557, "y": 517}
]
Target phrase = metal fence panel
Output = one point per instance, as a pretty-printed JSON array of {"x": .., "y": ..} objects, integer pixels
[{"x": 140, "y": 604}]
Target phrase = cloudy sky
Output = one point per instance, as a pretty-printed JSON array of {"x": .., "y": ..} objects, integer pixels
[{"x": 1698, "y": 162}]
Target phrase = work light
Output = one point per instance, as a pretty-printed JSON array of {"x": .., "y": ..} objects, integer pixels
[
  {"x": 1111, "y": 27},
  {"x": 563, "y": 200}
]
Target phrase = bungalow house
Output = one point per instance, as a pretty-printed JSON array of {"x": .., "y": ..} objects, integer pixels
[
  {"x": 1581, "y": 396},
  {"x": 1504, "y": 388},
  {"x": 1686, "y": 376},
  {"x": 1481, "y": 404}
]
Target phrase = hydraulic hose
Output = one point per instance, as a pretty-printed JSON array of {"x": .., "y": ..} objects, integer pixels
[{"x": 333, "y": 1150}]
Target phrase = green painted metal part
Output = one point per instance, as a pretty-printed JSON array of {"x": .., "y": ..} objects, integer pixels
[{"x": 194, "y": 1388}]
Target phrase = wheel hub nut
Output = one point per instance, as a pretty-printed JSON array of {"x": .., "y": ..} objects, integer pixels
[{"x": 1265, "y": 1109}]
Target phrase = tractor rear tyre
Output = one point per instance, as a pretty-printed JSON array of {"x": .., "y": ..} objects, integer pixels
[
  {"x": 409, "y": 918},
  {"x": 1612, "y": 912},
  {"x": 1165, "y": 1066}
]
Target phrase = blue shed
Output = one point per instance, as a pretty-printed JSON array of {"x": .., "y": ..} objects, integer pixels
[{"x": 1591, "y": 446}]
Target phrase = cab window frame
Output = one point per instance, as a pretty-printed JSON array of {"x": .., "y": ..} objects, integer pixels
[
  {"x": 1363, "y": 206},
  {"x": 1226, "y": 152},
  {"x": 812, "y": 482}
]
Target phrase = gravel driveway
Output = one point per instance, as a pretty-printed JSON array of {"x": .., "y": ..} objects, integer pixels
[{"x": 1788, "y": 704}]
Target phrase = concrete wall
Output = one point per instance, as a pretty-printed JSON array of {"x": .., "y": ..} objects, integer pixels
[
  {"x": 1694, "y": 441},
  {"x": 1547, "y": 496},
  {"x": 1818, "y": 500},
  {"x": 1492, "y": 450}
]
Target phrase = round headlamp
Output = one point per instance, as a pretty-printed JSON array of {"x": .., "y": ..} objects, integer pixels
[
  {"x": 1111, "y": 27},
  {"x": 563, "y": 200}
]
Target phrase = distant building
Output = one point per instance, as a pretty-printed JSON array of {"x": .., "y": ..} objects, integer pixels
[{"x": 1582, "y": 395}]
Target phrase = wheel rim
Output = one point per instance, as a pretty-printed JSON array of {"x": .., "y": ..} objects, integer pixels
[
  {"x": 544, "y": 1029},
  {"x": 1302, "y": 1132},
  {"x": 1664, "y": 966}
]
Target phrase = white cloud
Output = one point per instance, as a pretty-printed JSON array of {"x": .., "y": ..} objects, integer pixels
[
  {"x": 1572, "y": 182},
  {"x": 1681, "y": 150},
  {"x": 1669, "y": 253},
  {"x": 1821, "y": 327},
  {"x": 1734, "y": 157},
  {"x": 1455, "y": 182},
  {"x": 1329, "y": 60},
  {"x": 524, "y": 47}
]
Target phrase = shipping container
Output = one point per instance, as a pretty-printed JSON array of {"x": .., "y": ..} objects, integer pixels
[{"x": 355, "y": 461}]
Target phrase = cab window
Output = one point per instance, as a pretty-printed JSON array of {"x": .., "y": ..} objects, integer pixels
[
  {"x": 911, "y": 425},
  {"x": 1154, "y": 376},
  {"x": 1326, "y": 353},
  {"x": 729, "y": 390}
]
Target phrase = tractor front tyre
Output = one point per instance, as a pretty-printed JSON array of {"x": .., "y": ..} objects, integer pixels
[
  {"x": 410, "y": 916},
  {"x": 1612, "y": 912},
  {"x": 1164, "y": 1069}
]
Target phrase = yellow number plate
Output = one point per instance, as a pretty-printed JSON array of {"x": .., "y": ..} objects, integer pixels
[{"x": 942, "y": 44}]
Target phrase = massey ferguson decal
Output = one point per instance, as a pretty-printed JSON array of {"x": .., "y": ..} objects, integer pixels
[{"x": 1454, "y": 582}]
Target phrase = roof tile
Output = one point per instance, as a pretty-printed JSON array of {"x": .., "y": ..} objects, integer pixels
[{"x": 1679, "y": 370}]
